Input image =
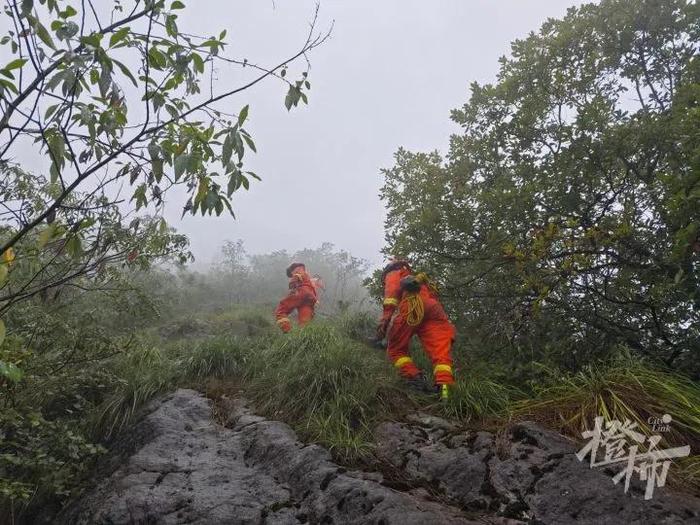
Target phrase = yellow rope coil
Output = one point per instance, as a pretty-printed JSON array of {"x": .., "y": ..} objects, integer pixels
[{"x": 415, "y": 310}]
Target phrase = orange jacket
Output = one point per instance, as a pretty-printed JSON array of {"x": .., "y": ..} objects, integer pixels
[
  {"x": 392, "y": 288},
  {"x": 301, "y": 281},
  {"x": 393, "y": 295}
]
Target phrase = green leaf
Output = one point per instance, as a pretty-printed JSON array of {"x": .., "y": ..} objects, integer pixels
[
  {"x": 238, "y": 146},
  {"x": 154, "y": 150},
  {"x": 140, "y": 196},
  {"x": 135, "y": 172},
  {"x": 46, "y": 235},
  {"x": 10, "y": 371},
  {"x": 213, "y": 44},
  {"x": 171, "y": 25},
  {"x": 679, "y": 276},
  {"x": 74, "y": 247},
  {"x": 125, "y": 71},
  {"x": 177, "y": 5},
  {"x": 243, "y": 115},
  {"x": 118, "y": 36},
  {"x": 27, "y": 6},
  {"x": 105, "y": 80},
  {"x": 50, "y": 111},
  {"x": 43, "y": 34},
  {"x": 92, "y": 40},
  {"x": 4, "y": 270},
  {"x": 157, "y": 167},
  {"x": 70, "y": 11},
  {"x": 57, "y": 146},
  {"x": 181, "y": 162},
  {"x": 227, "y": 150},
  {"x": 15, "y": 64},
  {"x": 67, "y": 31},
  {"x": 250, "y": 142},
  {"x": 172, "y": 110},
  {"x": 156, "y": 59},
  {"x": 198, "y": 62},
  {"x": 9, "y": 85},
  {"x": 232, "y": 184},
  {"x": 54, "y": 172},
  {"x": 289, "y": 99}
]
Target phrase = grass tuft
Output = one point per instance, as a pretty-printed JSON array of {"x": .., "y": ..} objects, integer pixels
[
  {"x": 218, "y": 357},
  {"x": 335, "y": 389},
  {"x": 624, "y": 389},
  {"x": 479, "y": 399},
  {"x": 143, "y": 374}
]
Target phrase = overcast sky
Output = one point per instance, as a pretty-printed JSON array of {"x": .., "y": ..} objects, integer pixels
[{"x": 389, "y": 77}]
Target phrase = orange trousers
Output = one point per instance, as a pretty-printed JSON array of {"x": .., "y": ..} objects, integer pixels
[
  {"x": 302, "y": 301},
  {"x": 436, "y": 336}
]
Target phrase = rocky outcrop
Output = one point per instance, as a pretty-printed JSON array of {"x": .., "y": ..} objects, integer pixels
[
  {"x": 180, "y": 466},
  {"x": 185, "y": 468},
  {"x": 528, "y": 473}
]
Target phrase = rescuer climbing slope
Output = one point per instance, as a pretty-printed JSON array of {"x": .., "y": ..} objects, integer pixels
[
  {"x": 302, "y": 297},
  {"x": 413, "y": 305}
]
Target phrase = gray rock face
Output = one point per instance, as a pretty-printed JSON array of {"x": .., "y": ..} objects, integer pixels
[
  {"x": 529, "y": 474},
  {"x": 179, "y": 466},
  {"x": 187, "y": 469}
]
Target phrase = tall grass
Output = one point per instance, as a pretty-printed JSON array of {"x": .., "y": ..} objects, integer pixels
[
  {"x": 140, "y": 376},
  {"x": 359, "y": 326},
  {"x": 623, "y": 389},
  {"x": 218, "y": 357},
  {"x": 478, "y": 399},
  {"x": 332, "y": 388}
]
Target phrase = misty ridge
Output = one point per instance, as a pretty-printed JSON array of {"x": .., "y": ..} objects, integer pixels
[{"x": 238, "y": 278}]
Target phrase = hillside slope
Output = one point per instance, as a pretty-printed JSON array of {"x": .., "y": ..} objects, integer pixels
[{"x": 179, "y": 465}]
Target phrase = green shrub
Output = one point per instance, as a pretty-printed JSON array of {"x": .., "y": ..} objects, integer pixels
[
  {"x": 241, "y": 321},
  {"x": 40, "y": 460}
]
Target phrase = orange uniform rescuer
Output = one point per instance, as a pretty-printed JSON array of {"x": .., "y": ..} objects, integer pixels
[
  {"x": 302, "y": 297},
  {"x": 417, "y": 312}
]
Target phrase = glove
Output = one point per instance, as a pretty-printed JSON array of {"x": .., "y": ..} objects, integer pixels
[{"x": 382, "y": 328}]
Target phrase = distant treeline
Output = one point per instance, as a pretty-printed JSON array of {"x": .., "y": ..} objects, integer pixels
[{"x": 237, "y": 277}]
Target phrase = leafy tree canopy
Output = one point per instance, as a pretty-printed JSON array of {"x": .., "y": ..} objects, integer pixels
[
  {"x": 116, "y": 95},
  {"x": 565, "y": 218}
]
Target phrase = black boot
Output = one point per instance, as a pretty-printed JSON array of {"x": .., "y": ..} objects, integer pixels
[{"x": 420, "y": 384}]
